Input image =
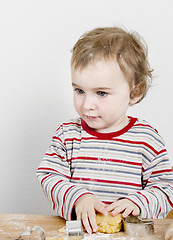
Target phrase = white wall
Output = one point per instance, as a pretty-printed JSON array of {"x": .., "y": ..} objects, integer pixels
[{"x": 36, "y": 95}]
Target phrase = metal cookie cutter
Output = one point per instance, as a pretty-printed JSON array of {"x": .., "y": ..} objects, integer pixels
[
  {"x": 137, "y": 227},
  {"x": 29, "y": 231},
  {"x": 74, "y": 230}
]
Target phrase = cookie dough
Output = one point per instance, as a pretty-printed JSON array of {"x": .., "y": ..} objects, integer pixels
[{"x": 109, "y": 224}]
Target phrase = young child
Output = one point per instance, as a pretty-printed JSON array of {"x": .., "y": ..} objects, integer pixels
[{"x": 105, "y": 161}]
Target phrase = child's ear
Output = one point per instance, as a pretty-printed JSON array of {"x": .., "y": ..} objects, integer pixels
[
  {"x": 135, "y": 100},
  {"x": 135, "y": 95}
]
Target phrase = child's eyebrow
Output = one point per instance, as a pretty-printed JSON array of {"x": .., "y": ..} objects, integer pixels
[
  {"x": 74, "y": 85},
  {"x": 102, "y": 88},
  {"x": 97, "y": 88}
]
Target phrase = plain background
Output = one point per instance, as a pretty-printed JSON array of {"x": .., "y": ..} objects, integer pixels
[{"x": 36, "y": 38}]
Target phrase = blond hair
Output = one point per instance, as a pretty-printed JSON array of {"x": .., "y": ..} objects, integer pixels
[{"x": 128, "y": 49}]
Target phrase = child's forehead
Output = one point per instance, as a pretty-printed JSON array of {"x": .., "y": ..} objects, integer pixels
[
  {"x": 99, "y": 73},
  {"x": 102, "y": 64}
]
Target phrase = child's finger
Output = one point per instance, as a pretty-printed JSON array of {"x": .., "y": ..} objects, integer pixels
[
  {"x": 92, "y": 219},
  {"x": 101, "y": 207},
  {"x": 127, "y": 212},
  {"x": 78, "y": 215},
  {"x": 136, "y": 212},
  {"x": 110, "y": 207},
  {"x": 117, "y": 210},
  {"x": 86, "y": 223}
]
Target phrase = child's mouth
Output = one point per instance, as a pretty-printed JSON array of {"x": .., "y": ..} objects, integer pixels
[{"x": 90, "y": 117}]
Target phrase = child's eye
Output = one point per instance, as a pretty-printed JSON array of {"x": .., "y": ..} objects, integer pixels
[
  {"x": 79, "y": 91},
  {"x": 101, "y": 93}
]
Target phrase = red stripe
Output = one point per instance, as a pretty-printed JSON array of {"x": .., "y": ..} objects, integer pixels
[
  {"x": 72, "y": 139},
  {"x": 52, "y": 170},
  {"x": 162, "y": 171},
  {"x": 71, "y": 123},
  {"x": 159, "y": 212},
  {"x": 162, "y": 151},
  {"x": 57, "y": 138},
  {"x": 171, "y": 203},
  {"x": 64, "y": 199},
  {"x": 106, "y": 181},
  {"x": 144, "y": 196},
  {"x": 146, "y": 125},
  {"x": 141, "y": 143},
  {"x": 54, "y": 154},
  {"x": 58, "y": 128},
  {"x": 45, "y": 179}
]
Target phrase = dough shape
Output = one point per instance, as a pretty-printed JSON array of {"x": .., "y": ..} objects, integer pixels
[{"x": 109, "y": 224}]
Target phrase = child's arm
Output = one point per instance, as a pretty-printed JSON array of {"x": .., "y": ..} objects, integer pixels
[
  {"x": 156, "y": 198},
  {"x": 54, "y": 175}
]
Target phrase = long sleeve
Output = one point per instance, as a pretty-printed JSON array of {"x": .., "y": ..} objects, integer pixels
[
  {"x": 54, "y": 175},
  {"x": 131, "y": 163},
  {"x": 156, "y": 197}
]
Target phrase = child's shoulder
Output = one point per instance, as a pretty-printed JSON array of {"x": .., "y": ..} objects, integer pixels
[
  {"x": 70, "y": 125},
  {"x": 72, "y": 122},
  {"x": 147, "y": 132},
  {"x": 145, "y": 125}
]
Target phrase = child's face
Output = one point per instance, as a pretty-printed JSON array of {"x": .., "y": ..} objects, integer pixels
[{"x": 101, "y": 95}]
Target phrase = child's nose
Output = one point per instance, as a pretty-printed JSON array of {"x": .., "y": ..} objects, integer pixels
[{"x": 89, "y": 103}]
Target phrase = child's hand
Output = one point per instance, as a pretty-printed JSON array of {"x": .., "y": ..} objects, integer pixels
[
  {"x": 124, "y": 206},
  {"x": 85, "y": 208}
]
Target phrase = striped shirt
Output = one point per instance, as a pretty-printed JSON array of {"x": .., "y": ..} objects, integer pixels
[{"x": 131, "y": 163}]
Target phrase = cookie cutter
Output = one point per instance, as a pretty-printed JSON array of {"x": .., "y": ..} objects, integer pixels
[
  {"x": 138, "y": 227},
  {"x": 74, "y": 230},
  {"x": 29, "y": 231}
]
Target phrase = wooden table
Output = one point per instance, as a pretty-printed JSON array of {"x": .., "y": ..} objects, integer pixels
[{"x": 12, "y": 225}]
